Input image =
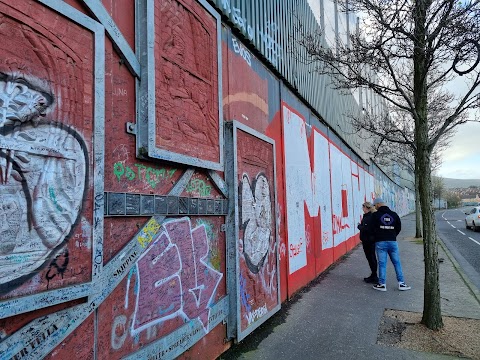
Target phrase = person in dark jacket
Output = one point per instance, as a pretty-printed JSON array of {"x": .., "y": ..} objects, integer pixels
[
  {"x": 386, "y": 225},
  {"x": 368, "y": 243}
]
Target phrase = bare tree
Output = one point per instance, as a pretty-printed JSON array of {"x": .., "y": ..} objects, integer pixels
[
  {"x": 438, "y": 188},
  {"x": 385, "y": 152},
  {"x": 453, "y": 200},
  {"x": 408, "y": 53}
]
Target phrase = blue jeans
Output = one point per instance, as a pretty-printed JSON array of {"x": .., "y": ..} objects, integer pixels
[{"x": 391, "y": 248}]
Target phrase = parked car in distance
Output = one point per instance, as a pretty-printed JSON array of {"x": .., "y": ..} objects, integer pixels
[{"x": 472, "y": 220}]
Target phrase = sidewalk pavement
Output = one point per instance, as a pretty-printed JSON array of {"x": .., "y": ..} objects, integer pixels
[{"x": 338, "y": 316}]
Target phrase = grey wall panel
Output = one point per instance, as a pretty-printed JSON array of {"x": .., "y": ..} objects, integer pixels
[
  {"x": 317, "y": 123},
  {"x": 294, "y": 102}
]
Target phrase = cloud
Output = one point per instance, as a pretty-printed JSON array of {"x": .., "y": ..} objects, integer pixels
[{"x": 461, "y": 159}]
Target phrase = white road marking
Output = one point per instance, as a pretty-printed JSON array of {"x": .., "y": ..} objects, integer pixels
[
  {"x": 452, "y": 226},
  {"x": 475, "y": 241},
  {"x": 461, "y": 232}
]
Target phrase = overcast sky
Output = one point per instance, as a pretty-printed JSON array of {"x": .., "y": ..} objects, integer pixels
[{"x": 462, "y": 158}]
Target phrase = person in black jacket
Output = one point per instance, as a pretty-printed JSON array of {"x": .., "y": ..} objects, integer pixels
[
  {"x": 386, "y": 225},
  {"x": 368, "y": 243}
]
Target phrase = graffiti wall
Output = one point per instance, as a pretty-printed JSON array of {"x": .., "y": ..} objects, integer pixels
[
  {"x": 175, "y": 281},
  {"x": 125, "y": 254},
  {"x": 131, "y": 228},
  {"x": 46, "y": 156},
  {"x": 401, "y": 199},
  {"x": 324, "y": 190},
  {"x": 257, "y": 282}
]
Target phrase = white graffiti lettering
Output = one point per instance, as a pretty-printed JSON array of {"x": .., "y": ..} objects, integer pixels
[
  {"x": 175, "y": 280},
  {"x": 119, "y": 92},
  {"x": 256, "y": 314},
  {"x": 119, "y": 331},
  {"x": 238, "y": 19},
  {"x": 273, "y": 49},
  {"x": 240, "y": 49}
]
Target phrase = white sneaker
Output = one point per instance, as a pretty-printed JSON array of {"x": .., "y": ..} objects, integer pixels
[
  {"x": 380, "y": 287},
  {"x": 402, "y": 286}
]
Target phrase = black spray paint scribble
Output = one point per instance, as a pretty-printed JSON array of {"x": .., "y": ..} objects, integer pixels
[{"x": 58, "y": 266}]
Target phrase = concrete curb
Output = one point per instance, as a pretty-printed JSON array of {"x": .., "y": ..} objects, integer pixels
[{"x": 473, "y": 289}]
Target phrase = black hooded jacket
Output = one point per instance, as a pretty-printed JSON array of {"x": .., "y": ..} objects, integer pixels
[
  {"x": 364, "y": 227},
  {"x": 385, "y": 224}
]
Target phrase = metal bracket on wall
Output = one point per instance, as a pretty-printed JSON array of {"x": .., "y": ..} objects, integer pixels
[
  {"x": 131, "y": 128},
  {"x": 131, "y": 204}
]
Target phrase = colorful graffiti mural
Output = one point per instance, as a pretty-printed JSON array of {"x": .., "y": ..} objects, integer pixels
[
  {"x": 173, "y": 282},
  {"x": 174, "y": 279}
]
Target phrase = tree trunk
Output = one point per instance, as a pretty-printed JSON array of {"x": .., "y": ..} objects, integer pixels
[
  {"x": 418, "y": 212},
  {"x": 432, "y": 314}
]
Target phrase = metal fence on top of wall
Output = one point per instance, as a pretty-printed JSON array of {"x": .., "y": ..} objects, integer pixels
[{"x": 269, "y": 26}]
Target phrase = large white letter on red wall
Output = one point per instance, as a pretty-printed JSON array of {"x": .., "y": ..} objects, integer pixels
[{"x": 305, "y": 187}]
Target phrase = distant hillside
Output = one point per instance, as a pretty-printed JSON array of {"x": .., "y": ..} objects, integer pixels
[{"x": 460, "y": 183}]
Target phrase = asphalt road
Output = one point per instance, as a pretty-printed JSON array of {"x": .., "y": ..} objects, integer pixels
[{"x": 463, "y": 243}]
